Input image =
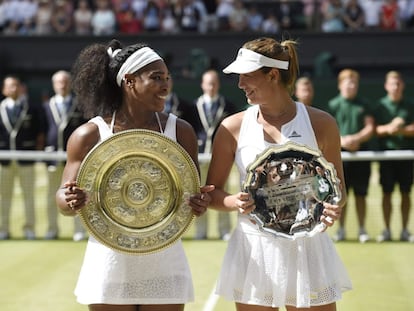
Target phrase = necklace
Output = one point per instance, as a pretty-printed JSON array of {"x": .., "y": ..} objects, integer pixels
[
  {"x": 287, "y": 112},
  {"x": 126, "y": 120}
]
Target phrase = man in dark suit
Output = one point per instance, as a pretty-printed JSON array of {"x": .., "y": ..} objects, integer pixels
[
  {"x": 177, "y": 105},
  {"x": 21, "y": 128},
  {"x": 63, "y": 117},
  {"x": 208, "y": 111}
]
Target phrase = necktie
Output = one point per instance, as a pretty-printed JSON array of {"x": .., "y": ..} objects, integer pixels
[
  {"x": 14, "y": 112},
  {"x": 62, "y": 107},
  {"x": 209, "y": 112}
]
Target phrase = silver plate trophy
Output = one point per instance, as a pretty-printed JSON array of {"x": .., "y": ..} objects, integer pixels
[{"x": 289, "y": 184}]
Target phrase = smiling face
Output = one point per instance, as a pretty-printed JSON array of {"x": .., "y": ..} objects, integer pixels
[
  {"x": 257, "y": 86},
  {"x": 149, "y": 87}
]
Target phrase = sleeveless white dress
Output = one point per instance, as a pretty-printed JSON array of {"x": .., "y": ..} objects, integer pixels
[
  {"x": 261, "y": 269},
  {"x": 110, "y": 277}
]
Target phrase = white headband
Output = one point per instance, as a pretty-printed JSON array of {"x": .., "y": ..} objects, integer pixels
[
  {"x": 249, "y": 61},
  {"x": 136, "y": 61}
]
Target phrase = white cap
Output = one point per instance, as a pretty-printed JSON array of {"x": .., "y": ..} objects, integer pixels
[{"x": 249, "y": 61}]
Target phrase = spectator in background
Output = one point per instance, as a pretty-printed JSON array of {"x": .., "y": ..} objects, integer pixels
[
  {"x": 356, "y": 126},
  {"x": 2, "y": 16},
  {"x": 254, "y": 19},
  {"x": 43, "y": 18},
  {"x": 103, "y": 19},
  {"x": 62, "y": 20},
  {"x": 169, "y": 23},
  {"x": 223, "y": 11},
  {"x": 177, "y": 105},
  {"x": 209, "y": 110},
  {"x": 372, "y": 9},
  {"x": 395, "y": 130},
  {"x": 238, "y": 18},
  {"x": 332, "y": 16},
  {"x": 127, "y": 22},
  {"x": 390, "y": 15},
  {"x": 189, "y": 15},
  {"x": 82, "y": 18},
  {"x": 210, "y": 20},
  {"x": 21, "y": 128},
  {"x": 62, "y": 118},
  {"x": 203, "y": 22},
  {"x": 304, "y": 91},
  {"x": 354, "y": 17},
  {"x": 271, "y": 24},
  {"x": 28, "y": 10},
  {"x": 309, "y": 12},
  {"x": 287, "y": 14},
  {"x": 14, "y": 17},
  {"x": 139, "y": 7},
  {"x": 152, "y": 16},
  {"x": 407, "y": 13}
]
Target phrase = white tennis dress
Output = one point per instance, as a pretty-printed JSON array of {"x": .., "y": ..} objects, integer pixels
[
  {"x": 262, "y": 269},
  {"x": 111, "y": 277}
]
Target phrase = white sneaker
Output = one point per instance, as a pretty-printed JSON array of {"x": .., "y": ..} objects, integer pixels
[
  {"x": 340, "y": 235},
  {"x": 363, "y": 236},
  {"x": 406, "y": 236},
  {"x": 51, "y": 235},
  {"x": 385, "y": 236},
  {"x": 4, "y": 235},
  {"x": 29, "y": 234},
  {"x": 79, "y": 236},
  {"x": 226, "y": 237}
]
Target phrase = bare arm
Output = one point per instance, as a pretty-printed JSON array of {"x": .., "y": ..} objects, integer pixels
[
  {"x": 224, "y": 149},
  {"x": 187, "y": 138},
  {"x": 82, "y": 140},
  {"x": 328, "y": 137},
  {"x": 353, "y": 142}
]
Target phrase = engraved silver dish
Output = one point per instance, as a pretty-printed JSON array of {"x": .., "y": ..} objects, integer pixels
[{"x": 289, "y": 184}]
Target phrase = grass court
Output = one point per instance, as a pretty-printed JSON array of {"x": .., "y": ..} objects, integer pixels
[{"x": 41, "y": 275}]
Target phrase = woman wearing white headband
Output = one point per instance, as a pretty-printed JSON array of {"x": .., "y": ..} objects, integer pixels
[
  {"x": 125, "y": 88},
  {"x": 263, "y": 271}
]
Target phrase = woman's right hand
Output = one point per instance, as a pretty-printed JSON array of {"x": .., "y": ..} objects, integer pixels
[
  {"x": 243, "y": 202},
  {"x": 74, "y": 196}
]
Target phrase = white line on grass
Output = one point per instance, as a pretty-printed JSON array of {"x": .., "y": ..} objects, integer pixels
[{"x": 211, "y": 301}]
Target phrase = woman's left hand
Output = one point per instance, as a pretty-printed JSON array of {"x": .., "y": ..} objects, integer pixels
[
  {"x": 330, "y": 214},
  {"x": 200, "y": 201}
]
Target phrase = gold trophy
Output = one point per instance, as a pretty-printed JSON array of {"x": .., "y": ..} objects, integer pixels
[{"x": 138, "y": 183}]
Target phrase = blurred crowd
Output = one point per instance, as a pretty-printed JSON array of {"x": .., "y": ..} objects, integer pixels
[{"x": 107, "y": 17}]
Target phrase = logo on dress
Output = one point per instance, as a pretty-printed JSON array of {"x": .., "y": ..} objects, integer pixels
[{"x": 294, "y": 134}]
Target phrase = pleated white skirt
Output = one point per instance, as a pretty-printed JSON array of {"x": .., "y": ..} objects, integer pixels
[{"x": 261, "y": 269}]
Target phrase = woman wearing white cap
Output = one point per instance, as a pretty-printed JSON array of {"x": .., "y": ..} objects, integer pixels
[
  {"x": 262, "y": 271},
  {"x": 125, "y": 88}
]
